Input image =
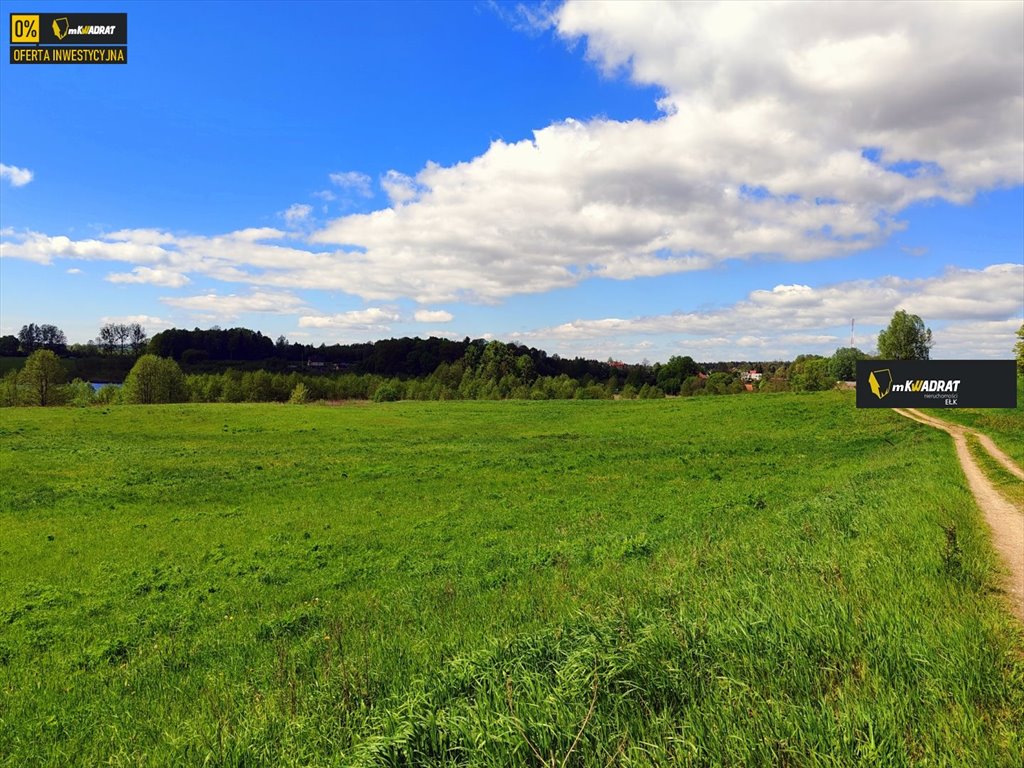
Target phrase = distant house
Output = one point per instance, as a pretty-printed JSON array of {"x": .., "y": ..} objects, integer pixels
[
  {"x": 749, "y": 376},
  {"x": 317, "y": 363}
]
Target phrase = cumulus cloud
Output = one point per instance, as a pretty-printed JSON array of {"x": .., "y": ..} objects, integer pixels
[
  {"x": 807, "y": 146},
  {"x": 213, "y": 305},
  {"x": 982, "y": 339},
  {"x": 74, "y": 271},
  {"x": 148, "y": 275},
  {"x": 352, "y": 181},
  {"x": 17, "y": 177},
  {"x": 370, "y": 319},
  {"x": 433, "y": 316},
  {"x": 399, "y": 188},
  {"x": 959, "y": 304},
  {"x": 149, "y": 322},
  {"x": 296, "y": 213},
  {"x": 247, "y": 255}
]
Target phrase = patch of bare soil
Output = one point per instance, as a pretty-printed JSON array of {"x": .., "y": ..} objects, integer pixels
[{"x": 1004, "y": 519}]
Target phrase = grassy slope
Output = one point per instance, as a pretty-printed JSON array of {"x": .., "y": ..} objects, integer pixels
[{"x": 736, "y": 580}]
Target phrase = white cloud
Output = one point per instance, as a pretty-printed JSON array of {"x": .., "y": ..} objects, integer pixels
[
  {"x": 399, "y": 188},
  {"x": 74, "y": 271},
  {"x": 297, "y": 213},
  {"x": 961, "y": 306},
  {"x": 352, "y": 181},
  {"x": 370, "y": 319},
  {"x": 213, "y": 305},
  {"x": 245, "y": 255},
  {"x": 761, "y": 149},
  {"x": 807, "y": 147},
  {"x": 149, "y": 322},
  {"x": 18, "y": 177},
  {"x": 532, "y": 20},
  {"x": 148, "y": 275},
  {"x": 979, "y": 340},
  {"x": 326, "y": 195},
  {"x": 433, "y": 316}
]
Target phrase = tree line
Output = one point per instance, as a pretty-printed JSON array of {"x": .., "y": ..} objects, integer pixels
[
  {"x": 113, "y": 338},
  {"x": 400, "y": 369}
]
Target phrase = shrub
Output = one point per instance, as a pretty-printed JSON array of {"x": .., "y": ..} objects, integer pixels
[
  {"x": 299, "y": 394},
  {"x": 388, "y": 392},
  {"x": 80, "y": 393},
  {"x": 108, "y": 394}
]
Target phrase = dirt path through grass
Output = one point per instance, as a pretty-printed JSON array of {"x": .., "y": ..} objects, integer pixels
[
  {"x": 993, "y": 450},
  {"x": 1005, "y": 520}
]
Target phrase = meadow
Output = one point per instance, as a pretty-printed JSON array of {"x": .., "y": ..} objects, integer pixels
[{"x": 752, "y": 580}]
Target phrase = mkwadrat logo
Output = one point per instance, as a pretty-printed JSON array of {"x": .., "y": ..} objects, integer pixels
[
  {"x": 936, "y": 384},
  {"x": 61, "y": 28},
  {"x": 880, "y": 383},
  {"x": 928, "y": 385}
]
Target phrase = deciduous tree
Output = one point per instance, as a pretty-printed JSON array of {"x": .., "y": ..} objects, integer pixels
[
  {"x": 906, "y": 338},
  {"x": 844, "y": 363},
  {"x": 8, "y": 345},
  {"x": 154, "y": 380},
  {"x": 42, "y": 376}
]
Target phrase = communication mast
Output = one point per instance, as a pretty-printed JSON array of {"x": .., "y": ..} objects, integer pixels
[{"x": 852, "y": 321}]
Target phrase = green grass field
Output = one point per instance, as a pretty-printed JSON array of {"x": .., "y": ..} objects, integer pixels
[{"x": 762, "y": 580}]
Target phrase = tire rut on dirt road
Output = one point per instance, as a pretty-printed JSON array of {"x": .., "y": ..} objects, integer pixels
[{"x": 1004, "y": 519}]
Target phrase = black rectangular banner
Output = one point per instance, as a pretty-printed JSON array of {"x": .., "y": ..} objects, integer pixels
[
  {"x": 70, "y": 54},
  {"x": 69, "y": 29},
  {"x": 936, "y": 384}
]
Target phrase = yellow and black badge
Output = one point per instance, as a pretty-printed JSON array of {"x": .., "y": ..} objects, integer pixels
[
  {"x": 25, "y": 28},
  {"x": 880, "y": 383},
  {"x": 69, "y": 38},
  {"x": 61, "y": 27}
]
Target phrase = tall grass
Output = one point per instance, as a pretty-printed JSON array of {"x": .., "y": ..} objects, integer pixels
[{"x": 734, "y": 581}]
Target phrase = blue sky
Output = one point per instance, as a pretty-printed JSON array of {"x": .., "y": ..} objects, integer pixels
[{"x": 613, "y": 180}]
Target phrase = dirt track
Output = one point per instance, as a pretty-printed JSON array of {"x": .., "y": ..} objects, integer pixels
[{"x": 1005, "y": 520}]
